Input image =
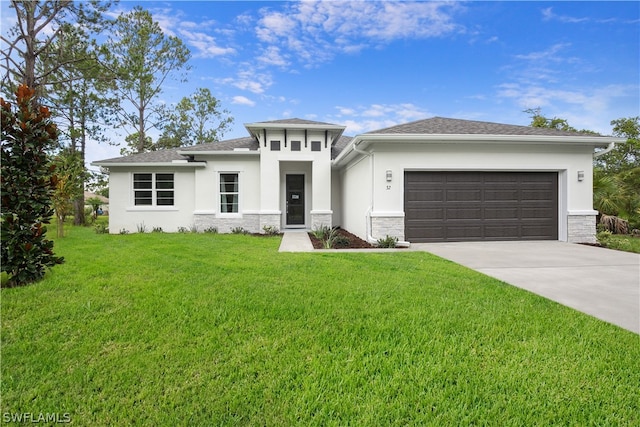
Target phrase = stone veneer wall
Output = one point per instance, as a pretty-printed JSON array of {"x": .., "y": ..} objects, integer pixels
[
  {"x": 581, "y": 229},
  {"x": 321, "y": 219},
  {"x": 383, "y": 226},
  {"x": 250, "y": 222}
]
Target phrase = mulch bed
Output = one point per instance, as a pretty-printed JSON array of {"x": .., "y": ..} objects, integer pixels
[{"x": 354, "y": 241}]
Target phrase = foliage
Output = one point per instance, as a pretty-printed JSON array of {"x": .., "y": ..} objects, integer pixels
[
  {"x": 29, "y": 55},
  {"x": 613, "y": 224},
  {"x": 270, "y": 230},
  {"x": 95, "y": 203},
  {"x": 540, "y": 121},
  {"x": 27, "y": 189},
  {"x": 625, "y": 156},
  {"x": 70, "y": 174},
  {"x": 129, "y": 334},
  {"x": 619, "y": 242},
  {"x": 101, "y": 228},
  {"x": 197, "y": 119},
  {"x": 239, "y": 230},
  {"x": 327, "y": 235},
  {"x": 387, "y": 242},
  {"x": 142, "y": 58},
  {"x": 210, "y": 230}
]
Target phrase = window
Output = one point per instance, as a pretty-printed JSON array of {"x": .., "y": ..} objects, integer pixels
[
  {"x": 229, "y": 193},
  {"x": 275, "y": 145},
  {"x": 315, "y": 145},
  {"x": 295, "y": 145},
  {"x": 153, "y": 189}
]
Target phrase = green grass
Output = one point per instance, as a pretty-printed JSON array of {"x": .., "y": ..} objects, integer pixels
[
  {"x": 203, "y": 329},
  {"x": 621, "y": 242}
]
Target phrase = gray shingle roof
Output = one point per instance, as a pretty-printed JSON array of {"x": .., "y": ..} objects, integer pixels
[
  {"x": 229, "y": 145},
  {"x": 160, "y": 156},
  {"x": 296, "y": 121},
  {"x": 340, "y": 145},
  {"x": 445, "y": 126}
]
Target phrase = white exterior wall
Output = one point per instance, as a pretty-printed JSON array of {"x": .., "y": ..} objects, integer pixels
[
  {"x": 575, "y": 197},
  {"x": 125, "y": 216},
  {"x": 207, "y": 193},
  {"x": 356, "y": 197},
  {"x": 315, "y": 165}
]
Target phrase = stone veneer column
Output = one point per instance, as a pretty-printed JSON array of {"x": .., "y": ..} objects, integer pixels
[
  {"x": 320, "y": 219},
  {"x": 387, "y": 225},
  {"x": 581, "y": 228}
]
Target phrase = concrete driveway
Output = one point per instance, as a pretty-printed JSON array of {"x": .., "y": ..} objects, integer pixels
[{"x": 601, "y": 282}]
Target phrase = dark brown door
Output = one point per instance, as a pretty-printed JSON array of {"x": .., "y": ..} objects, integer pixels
[
  {"x": 295, "y": 199},
  {"x": 466, "y": 206}
]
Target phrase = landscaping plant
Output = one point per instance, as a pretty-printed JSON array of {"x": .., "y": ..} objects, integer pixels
[{"x": 27, "y": 188}]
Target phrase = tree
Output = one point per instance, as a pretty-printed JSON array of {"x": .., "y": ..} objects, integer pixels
[
  {"x": 197, "y": 119},
  {"x": 142, "y": 57},
  {"x": 70, "y": 177},
  {"x": 26, "y": 189},
  {"x": 28, "y": 57},
  {"x": 79, "y": 94},
  {"x": 626, "y": 156},
  {"x": 540, "y": 121}
]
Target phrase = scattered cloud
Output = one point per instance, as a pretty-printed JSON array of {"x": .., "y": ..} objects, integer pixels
[
  {"x": 377, "y": 116},
  {"x": 249, "y": 80},
  {"x": 243, "y": 100},
  {"x": 549, "y": 15},
  {"x": 315, "y": 31}
]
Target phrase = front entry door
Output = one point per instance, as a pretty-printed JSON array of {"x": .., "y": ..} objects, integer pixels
[{"x": 295, "y": 199}]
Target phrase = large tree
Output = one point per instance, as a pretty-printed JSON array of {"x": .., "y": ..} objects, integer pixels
[
  {"x": 196, "y": 119},
  {"x": 142, "y": 58},
  {"x": 26, "y": 189},
  {"x": 28, "y": 56}
]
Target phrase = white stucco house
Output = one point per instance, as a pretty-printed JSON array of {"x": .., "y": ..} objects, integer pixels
[{"x": 431, "y": 180}]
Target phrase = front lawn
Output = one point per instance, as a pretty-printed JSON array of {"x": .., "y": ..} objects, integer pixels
[{"x": 203, "y": 329}]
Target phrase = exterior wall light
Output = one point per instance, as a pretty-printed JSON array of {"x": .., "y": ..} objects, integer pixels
[
  {"x": 389, "y": 175},
  {"x": 580, "y": 175}
]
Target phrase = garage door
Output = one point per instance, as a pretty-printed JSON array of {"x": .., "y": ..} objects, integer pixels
[{"x": 467, "y": 206}]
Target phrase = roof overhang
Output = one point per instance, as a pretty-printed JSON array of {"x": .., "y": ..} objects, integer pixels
[
  {"x": 220, "y": 153},
  {"x": 107, "y": 164},
  {"x": 256, "y": 129},
  {"x": 362, "y": 142}
]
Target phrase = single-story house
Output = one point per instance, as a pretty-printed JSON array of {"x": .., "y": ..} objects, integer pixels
[{"x": 431, "y": 180}]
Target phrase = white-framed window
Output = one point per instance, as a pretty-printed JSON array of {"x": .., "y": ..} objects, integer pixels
[
  {"x": 153, "y": 189},
  {"x": 229, "y": 192}
]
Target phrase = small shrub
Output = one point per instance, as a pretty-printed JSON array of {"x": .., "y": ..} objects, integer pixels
[
  {"x": 183, "y": 230},
  {"x": 341, "y": 241},
  {"x": 211, "y": 230},
  {"x": 614, "y": 224},
  {"x": 124, "y": 231},
  {"x": 141, "y": 228},
  {"x": 239, "y": 230},
  {"x": 157, "y": 230},
  {"x": 270, "y": 230},
  {"x": 101, "y": 229},
  {"x": 388, "y": 242},
  {"x": 193, "y": 228},
  {"x": 321, "y": 232}
]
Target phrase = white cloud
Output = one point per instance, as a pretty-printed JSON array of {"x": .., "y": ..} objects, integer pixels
[
  {"x": 273, "y": 56},
  {"x": 377, "y": 116},
  {"x": 549, "y": 15},
  {"x": 243, "y": 100},
  {"x": 315, "y": 31},
  {"x": 249, "y": 80}
]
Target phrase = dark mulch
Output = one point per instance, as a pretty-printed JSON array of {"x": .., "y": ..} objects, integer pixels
[{"x": 354, "y": 241}]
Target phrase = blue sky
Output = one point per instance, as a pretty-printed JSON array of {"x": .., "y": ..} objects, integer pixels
[{"x": 373, "y": 64}]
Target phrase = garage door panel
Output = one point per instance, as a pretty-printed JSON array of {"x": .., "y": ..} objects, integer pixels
[{"x": 455, "y": 206}]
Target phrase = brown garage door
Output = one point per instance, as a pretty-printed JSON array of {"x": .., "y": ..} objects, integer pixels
[{"x": 466, "y": 206}]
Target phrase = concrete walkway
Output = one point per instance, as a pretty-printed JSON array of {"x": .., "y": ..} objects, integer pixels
[
  {"x": 296, "y": 241},
  {"x": 601, "y": 282}
]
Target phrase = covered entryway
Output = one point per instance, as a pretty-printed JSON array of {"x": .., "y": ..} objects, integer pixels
[{"x": 474, "y": 206}]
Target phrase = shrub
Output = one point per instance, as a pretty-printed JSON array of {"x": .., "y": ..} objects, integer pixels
[
  {"x": 183, "y": 230},
  {"x": 239, "y": 230},
  {"x": 141, "y": 228},
  {"x": 271, "y": 230},
  {"x": 614, "y": 224},
  {"x": 124, "y": 231},
  {"x": 326, "y": 235},
  {"x": 27, "y": 189},
  {"x": 157, "y": 230},
  {"x": 211, "y": 230},
  {"x": 387, "y": 242},
  {"x": 101, "y": 228}
]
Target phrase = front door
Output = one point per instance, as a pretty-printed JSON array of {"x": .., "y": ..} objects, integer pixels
[{"x": 295, "y": 199}]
